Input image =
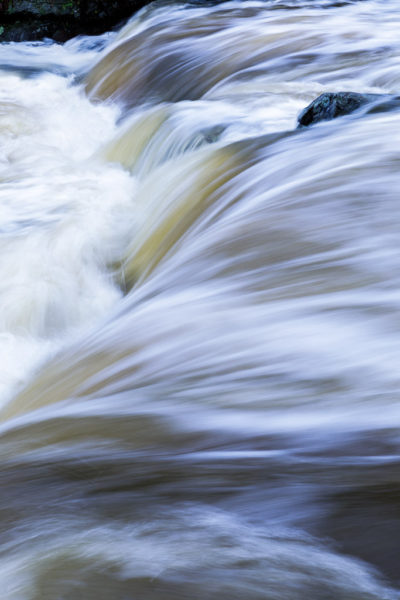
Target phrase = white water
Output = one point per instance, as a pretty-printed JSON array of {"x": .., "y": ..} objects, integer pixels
[{"x": 199, "y": 339}]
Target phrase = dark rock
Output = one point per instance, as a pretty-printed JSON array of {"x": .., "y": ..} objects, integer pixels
[
  {"x": 29, "y": 28},
  {"x": 61, "y": 36},
  {"x": 331, "y": 105},
  {"x": 23, "y": 20}
]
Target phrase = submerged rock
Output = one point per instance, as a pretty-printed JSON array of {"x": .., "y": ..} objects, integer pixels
[{"x": 331, "y": 105}]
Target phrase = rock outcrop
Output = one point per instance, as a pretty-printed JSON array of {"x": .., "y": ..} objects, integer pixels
[
  {"x": 331, "y": 105},
  {"x": 61, "y": 19}
]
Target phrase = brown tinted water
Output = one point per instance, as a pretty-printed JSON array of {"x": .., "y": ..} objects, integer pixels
[{"x": 199, "y": 321}]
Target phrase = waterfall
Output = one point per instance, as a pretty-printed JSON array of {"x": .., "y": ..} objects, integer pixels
[{"x": 199, "y": 334}]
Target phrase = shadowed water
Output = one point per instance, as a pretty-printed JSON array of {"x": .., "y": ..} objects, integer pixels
[{"x": 199, "y": 309}]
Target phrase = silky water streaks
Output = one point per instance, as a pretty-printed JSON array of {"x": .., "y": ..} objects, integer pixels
[{"x": 199, "y": 330}]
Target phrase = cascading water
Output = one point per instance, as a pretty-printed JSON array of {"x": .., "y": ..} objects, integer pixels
[{"x": 199, "y": 309}]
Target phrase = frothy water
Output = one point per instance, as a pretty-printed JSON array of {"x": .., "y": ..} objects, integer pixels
[{"x": 199, "y": 331}]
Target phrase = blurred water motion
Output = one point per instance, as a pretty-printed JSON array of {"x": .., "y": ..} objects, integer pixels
[{"x": 199, "y": 325}]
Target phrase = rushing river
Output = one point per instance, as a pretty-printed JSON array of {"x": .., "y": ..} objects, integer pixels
[{"x": 200, "y": 309}]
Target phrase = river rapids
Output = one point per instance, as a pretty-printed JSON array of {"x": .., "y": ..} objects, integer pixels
[{"x": 200, "y": 308}]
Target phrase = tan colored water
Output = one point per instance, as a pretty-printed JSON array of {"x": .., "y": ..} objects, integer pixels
[{"x": 199, "y": 332}]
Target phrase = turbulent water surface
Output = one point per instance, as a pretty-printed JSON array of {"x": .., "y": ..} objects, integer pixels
[{"x": 199, "y": 324}]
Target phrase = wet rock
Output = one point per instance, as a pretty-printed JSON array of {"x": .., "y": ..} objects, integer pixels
[
  {"x": 22, "y": 20},
  {"x": 26, "y": 28},
  {"x": 331, "y": 105}
]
